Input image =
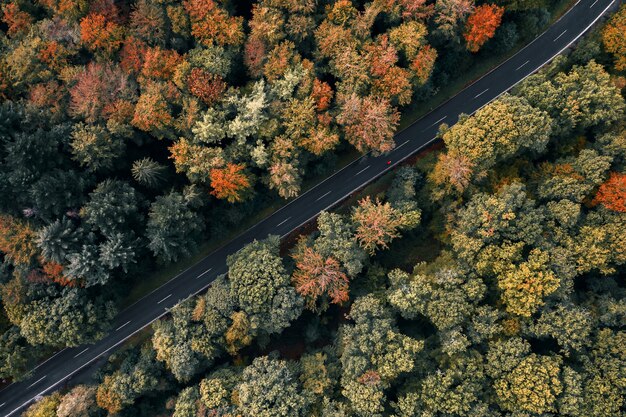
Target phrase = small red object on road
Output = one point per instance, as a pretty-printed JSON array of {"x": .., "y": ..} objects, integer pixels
[{"x": 388, "y": 162}]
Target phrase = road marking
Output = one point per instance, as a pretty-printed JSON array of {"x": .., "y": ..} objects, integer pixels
[
  {"x": 480, "y": 94},
  {"x": 362, "y": 170},
  {"x": 123, "y": 325},
  {"x": 49, "y": 359},
  {"x": 520, "y": 67},
  {"x": 204, "y": 273},
  {"x": 80, "y": 353},
  {"x": 284, "y": 221},
  {"x": 437, "y": 122},
  {"x": 405, "y": 142},
  {"x": 159, "y": 302},
  {"x": 38, "y": 381},
  {"x": 557, "y": 38},
  {"x": 2, "y": 405},
  {"x": 593, "y": 4},
  {"x": 319, "y": 198}
]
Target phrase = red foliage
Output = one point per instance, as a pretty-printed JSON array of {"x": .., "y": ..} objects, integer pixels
[
  {"x": 416, "y": 9},
  {"x": 370, "y": 377},
  {"x": 229, "y": 183},
  {"x": 98, "y": 33},
  {"x": 98, "y": 86},
  {"x": 211, "y": 24},
  {"x": 322, "y": 94},
  {"x": 382, "y": 56},
  {"x": 207, "y": 87},
  {"x": 160, "y": 63},
  {"x": 132, "y": 55},
  {"x": 54, "y": 55},
  {"x": 612, "y": 194},
  {"x": 315, "y": 276},
  {"x": 481, "y": 25},
  {"x": 17, "y": 20},
  {"x": 106, "y": 8},
  {"x": 254, "y": 56}
]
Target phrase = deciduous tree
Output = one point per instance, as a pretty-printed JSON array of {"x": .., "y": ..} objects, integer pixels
[
  {"x": 613, "y": 38},
  {"x": 230, "y": 183},
  {"x": 612, "y": 193},
  {"x": 481, "y": 25}
]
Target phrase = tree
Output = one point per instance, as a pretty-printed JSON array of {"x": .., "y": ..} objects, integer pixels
[
  {"x": 17, "y": 240},
  {"x": 336, "y": 239},
  {"x": 17, "y": 357},
  {"x": 148, "y": 172},
  {"x": 449, "y": 14},
  {"x": 160, "y": 64},
  {"x": 260, "y": 287},
  {"x": 230, "y": 183},
  {"x": 100, "y": 34},
  {"x": 95, "y": 148},
  {"x": 315, "y": 276},
  {"x": 368, "y": 123},
  {"x": 481, "y": 25},
  {"x": 153, "y": 112},
  {"x": 58, "y": 239},
  {"x": 612, "y": 193},
  {"x": 67, "y": 318},
  {"x": 45, "y": 407},
  {"x": 112, "y": 207},
  {"x": 570, "y": 325},
  {"x": 80, "y": 401},
  {"x": 378, "y": 223},
  {"x": 147, "y": 22},
  {"x": 498, "y": 131},
  {"x": 206, "y": 86},
  {"x": 173, "y": 227},
  {"x": 271, "y": 388},
  {"x": 211, "y": 24},
  {"x": 613, "y": 39},
  {"x": 17, "y": 20}
]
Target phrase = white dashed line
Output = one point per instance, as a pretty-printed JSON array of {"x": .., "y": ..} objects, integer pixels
[
  {"x": 283, "y": 221},
  {"x": 480, "y": 94},
  {"x": 80, "y": 353},
  {"x": 204, "y": 273},
  {"x": 2, "y": 405},
  {"x": 38, "y": 381},
  {"x": 437, "y": 122},
  {"x": 520, "y": 67},
  {"x": 159, "y": 302},
  {"x": 557, "y": 38},
  {"x": 593, "y": 4},
  {"x": 401, "y": 145},
  {"x": 319, "y": 198},
  {"x": 362, "y": 170},
  {"x": 123, "y": 325}
]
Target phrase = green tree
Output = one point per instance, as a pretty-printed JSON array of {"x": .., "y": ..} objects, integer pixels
[
  {"x": 113, "y": 207},
  {"x": 148, "y": 172},
  {"x": 270, "y": 388},
  {"x": 17, "y": 357},
  {"x": 58, "y": 240},
  {"x": 173, "y": 227},
  {"x": 95, "y": 148},
  {"x": 261, "y": 287}
]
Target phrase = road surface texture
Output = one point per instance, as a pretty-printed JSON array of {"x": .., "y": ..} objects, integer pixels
[{"x": 53, "y": 373}]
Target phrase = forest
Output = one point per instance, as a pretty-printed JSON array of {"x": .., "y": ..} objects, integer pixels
[{"x": 484, "y": 277}]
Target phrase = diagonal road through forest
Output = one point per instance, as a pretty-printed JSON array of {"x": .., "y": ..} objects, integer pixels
[{"x": 67, "y": 363}]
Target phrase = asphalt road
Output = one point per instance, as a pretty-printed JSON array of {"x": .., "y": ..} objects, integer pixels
[{"x": 67, "y": 363}]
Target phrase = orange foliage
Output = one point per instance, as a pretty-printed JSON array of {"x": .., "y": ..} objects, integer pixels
[
  {"x": 315, "y": 276},
  {"x": 54, "y": 55},
  {"x": 207, "y": 87},
  {"x": 54, "y": 272},
  {"x": 423, "y": 63},
  {"x": 17, "y": 240},
  {"x": 278, "y": 60},
  {"x": 48, "y": 95},
  {"x": 229, "y": 183},
  {"x": 152, "y": 112},
  {"x": 132, "y": 55},
  {"x": 454, "y": 171},
  {"x": 614, "y": 39},
  {"x": 99, "y": 34},
  {"x": 377, "y": 224},
  {"x": 322, "y": 94},
  {"x": 17, "y": 20},
  {"x": 416, "y": 9},
  {"x": 370, "y": 377},
  {"x": 211, "y": 24},
  {"x": 382, "y": 56},
  {"x": 612, "y": 194},
  {"x": 160, "y": 63},
  {"x": 481, "y": 25},
  {"x": 119, "y": 111},
  {"x": 395, "y": 85}
]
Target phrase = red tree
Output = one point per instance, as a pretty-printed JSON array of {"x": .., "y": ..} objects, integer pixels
[
  {"x": 424, "y": 63},
  {"x": 315, "y": 276},
  {"x": 229, "y": 183},
  {"x": 207, "y": 87},
  {"x": 612, "y": 194},
  {"x": 322, "y": 94},
  {"x": 211, "y": 24},
  {"x": 160, "y": 63},
  {"x": 254, "y": 56},
  {"x": 481, "y": 25},
  {"x": 132, "y": 55}
]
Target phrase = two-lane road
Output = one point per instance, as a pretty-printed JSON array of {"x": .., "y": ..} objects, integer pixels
[{"x": 68, "y": 362}]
